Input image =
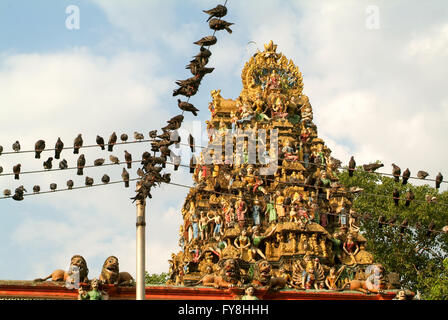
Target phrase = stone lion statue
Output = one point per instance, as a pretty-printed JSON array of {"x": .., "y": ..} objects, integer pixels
[
  {"x": 60, "y": 275},
  {"x": 110, "y": 273},
  {"x": 263, "y": 276},
  {"x": 374, "y": 283},
  {"x": 229, "y": 276}
]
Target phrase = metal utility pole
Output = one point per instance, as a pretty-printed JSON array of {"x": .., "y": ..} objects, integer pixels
[{"x": 141, "y": 227}]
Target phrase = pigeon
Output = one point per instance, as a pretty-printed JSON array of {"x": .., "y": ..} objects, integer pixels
[
  {"x": 406, "y": 176},
  {"x": 430, "y": 229},
  {"x": 53, "y": 186},
  {"x": 198, "y": 70},
  {"x": 177, "y": 119},
  {"x": 39, "y": 146},
  {"x": 112, "y": 141},
  {"x": 125, "y": 176},
  {"x": 124, "y": 137},
  {"x": 371, "y": 167},
  {"x": 381, "y": 221},
  {"x": 439, "y": 179},
  {"x": 191, "y": 142},
  {"x": 176, "y": 162},
  {"x": 114, "y": 159},
  {"x": 206, "y": 41},
  {"x": 48, "y": 164},
  {"x": 16, "y": 170},
  {"x": 36, "y": 189},
  {"x": 58, "y": 147},
  {"x": 396, "y": 172},
  {"x": 16, "y": 146},
  {"x": 422, "y": 174},
  {"x": 218, "y": 24},
  {"x": 100, "y": 141},
  {"x": 18, "y": 193},
  {"x": 193, "y": 81},
  {"x": 166, "y": 177},
  {"x": 63, "y": 164},
  {"x": 153, "y": 134},
  {"x": 89, "y": 181},
  {"x": 146, "y": 157},
  {"x": 1, "y": 150},
  {"x": 128, "y": 158},
  {"x": 409, "y": 197},
  {"x": 1, "y": 169},
  {"x": 187, "y": 91},
  {"x": 403, "y": 226},
  {"x": 105, "y": 179},
  {"x": 70, "y": 184},
  {"x": 219, "y": 11},
  {"x": 396, "y": 196},
  {"x": 6, "y": 192},
  {"x": 81, "y": 163},
  {"x": 192, "y": 164},
  {"x": 351, "y": 166},
  {"x": 138, "y": 136},
  {"x": 140, "y": 172},
  {"x": 77, "y": 144},
  {"x": 99, "y": 162},
  {"x": 185, "y": 106}
]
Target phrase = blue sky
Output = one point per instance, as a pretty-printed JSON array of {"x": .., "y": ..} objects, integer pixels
[{"x": 368, "y": 87}]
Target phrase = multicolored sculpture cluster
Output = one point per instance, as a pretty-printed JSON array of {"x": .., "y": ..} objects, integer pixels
[{"x": 290, "y": 227}]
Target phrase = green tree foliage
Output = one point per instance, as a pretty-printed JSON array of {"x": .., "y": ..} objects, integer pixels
[
  {"x": 418, "y": 256},
  {"x": 156, "y": 278}
]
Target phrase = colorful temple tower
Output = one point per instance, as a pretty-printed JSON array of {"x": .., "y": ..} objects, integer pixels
[{"x": 266, "y": 194}]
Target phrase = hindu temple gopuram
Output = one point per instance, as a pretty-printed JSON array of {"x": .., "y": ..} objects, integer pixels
[{"x": 283, "y": 220}]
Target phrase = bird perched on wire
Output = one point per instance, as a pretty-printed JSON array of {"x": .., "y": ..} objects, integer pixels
[
  {"x": 53, "y": 186},
  {"x": 396, "y": 196},
  {"x": 36, "y": 189},
  {"x": 39, "y": 146},
  {"x": 192, "y": 163},
  {"x": 219, "y": 11},
  {"x": 70, "y": 184},
  {"x": 16, "y": 170},
  {"x": 422, "y": 174},
  {"x": 191, "y": 142},
  {"x": 198, "y": 70},
  {"x": 58, "y": 147},
  {"x": 100, "y": 142},
  {"x": 89, "y": 181},
  {"x": 81, "y": 163},
  {"x": 140, "y": 172},
  {"x": 125, "y": 176},
  {"x": 371, "y": 167},
  {"x": 206, "y": 41},
  {"x": 176, "y": 162},
  {"x": 403, "y": 226},
  {"x": 409, "y": 197},
  {"x": 396, "y": 172},
  {"x": 112, "y": 141},
  {"x": 105, "y": 179},
  {"x": 114, "y": 159},
  {"x": 99, "y": 162},
  {"x": 177, "y": 119},
  {"x": 138, "y": 136},
  {"x": 48, "y": 164},
  {"x": 18, "y": 194},
  {"x": 194, "y": 81},
  {"x": 1, "y": 150},
  {"x": 406, "y": 176},
  {"x": 166, "y": 177},
  {"x": 381, "y": 221},
  {"x": 128, "y": 159},
  {"x": 16, "y": 146},
  {"x": 185, "y": 106},
  {"x": 1, "y": 169},
  {"x": 6, "y": 192},
  {"x": 124, "y": 137},
  {"x": 351, "y": 166},
  {"x": 439, "y": 179},
  {"x": 63, "y": 164},
  {"x": 218, "y": 24},
  {"x": 171, "y": 126},
  {"x": 153, "y": 134},
  {"x": 77, "y": 144},
  {"x": 187, "y": 91}
]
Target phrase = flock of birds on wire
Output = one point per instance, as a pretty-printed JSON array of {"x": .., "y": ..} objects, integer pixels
[{"x": 150, "y": 174}]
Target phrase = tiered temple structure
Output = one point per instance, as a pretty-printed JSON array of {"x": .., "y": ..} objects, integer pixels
[{"x": 284, "y": 213}]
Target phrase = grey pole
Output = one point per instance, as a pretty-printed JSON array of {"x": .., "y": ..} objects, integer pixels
[{"x": 141, "y": 226}]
